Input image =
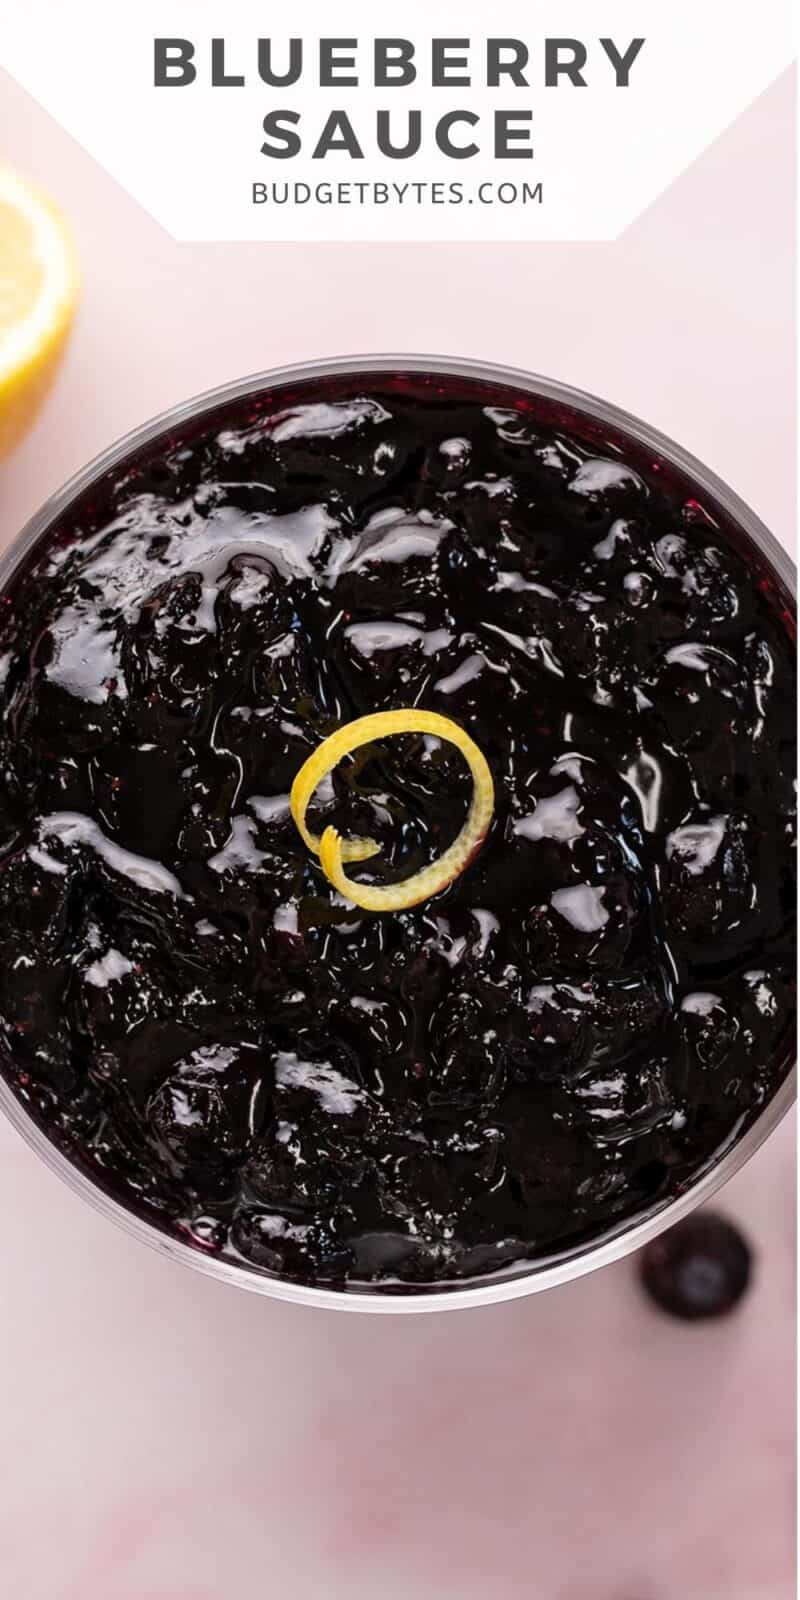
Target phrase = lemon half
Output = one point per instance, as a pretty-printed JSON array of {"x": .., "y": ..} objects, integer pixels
[{"x": 38, "y": 293}]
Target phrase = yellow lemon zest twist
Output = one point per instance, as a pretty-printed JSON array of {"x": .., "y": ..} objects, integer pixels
[{"x": 333, "y": 851}]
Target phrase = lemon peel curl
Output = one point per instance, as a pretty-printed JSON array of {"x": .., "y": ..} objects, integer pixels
[{"x": 334, "y": 851}]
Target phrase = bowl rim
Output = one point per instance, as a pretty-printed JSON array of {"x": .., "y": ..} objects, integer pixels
[{"x": 561, "y": 1267}]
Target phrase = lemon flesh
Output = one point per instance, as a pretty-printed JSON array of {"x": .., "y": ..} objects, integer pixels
[{"x": 38, "y": 294}]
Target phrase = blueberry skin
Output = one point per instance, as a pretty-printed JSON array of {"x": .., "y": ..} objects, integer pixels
[{"x": 699, "y": 1269}]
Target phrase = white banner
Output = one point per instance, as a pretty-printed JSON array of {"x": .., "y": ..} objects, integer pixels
[{"x": 560, "y": 120}]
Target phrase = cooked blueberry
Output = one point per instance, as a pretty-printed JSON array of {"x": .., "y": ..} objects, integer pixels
[
  {"x": 293, "y": 1249},
  {"x": 205, "y": 1112},
  {"x": 709, "y": 883},
  {"x": 710, "y": 1027}
]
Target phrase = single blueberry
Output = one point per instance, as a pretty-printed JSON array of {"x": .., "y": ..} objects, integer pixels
[{"x": 700, "y": 1268}]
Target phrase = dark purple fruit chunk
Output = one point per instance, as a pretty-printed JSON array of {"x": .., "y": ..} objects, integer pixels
[{"x": 202, "y": 1116}]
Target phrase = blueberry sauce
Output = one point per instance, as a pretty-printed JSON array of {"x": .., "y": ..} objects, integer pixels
[{"x": 589, "y": 1016}]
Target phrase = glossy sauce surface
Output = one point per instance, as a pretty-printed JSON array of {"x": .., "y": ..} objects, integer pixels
[{"x": 589, "y": 1015}]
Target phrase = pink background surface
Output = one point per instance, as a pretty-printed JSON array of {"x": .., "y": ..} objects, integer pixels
[{"x": 168, "y": 1438}]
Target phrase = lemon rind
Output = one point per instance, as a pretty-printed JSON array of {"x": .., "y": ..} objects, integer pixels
[
  {"x": 30, "y": 341},
  {"x": 334, "y": 851}
]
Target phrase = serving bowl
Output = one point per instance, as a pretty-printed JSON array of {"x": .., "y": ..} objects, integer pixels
[{"x": 595, "y": 419}]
